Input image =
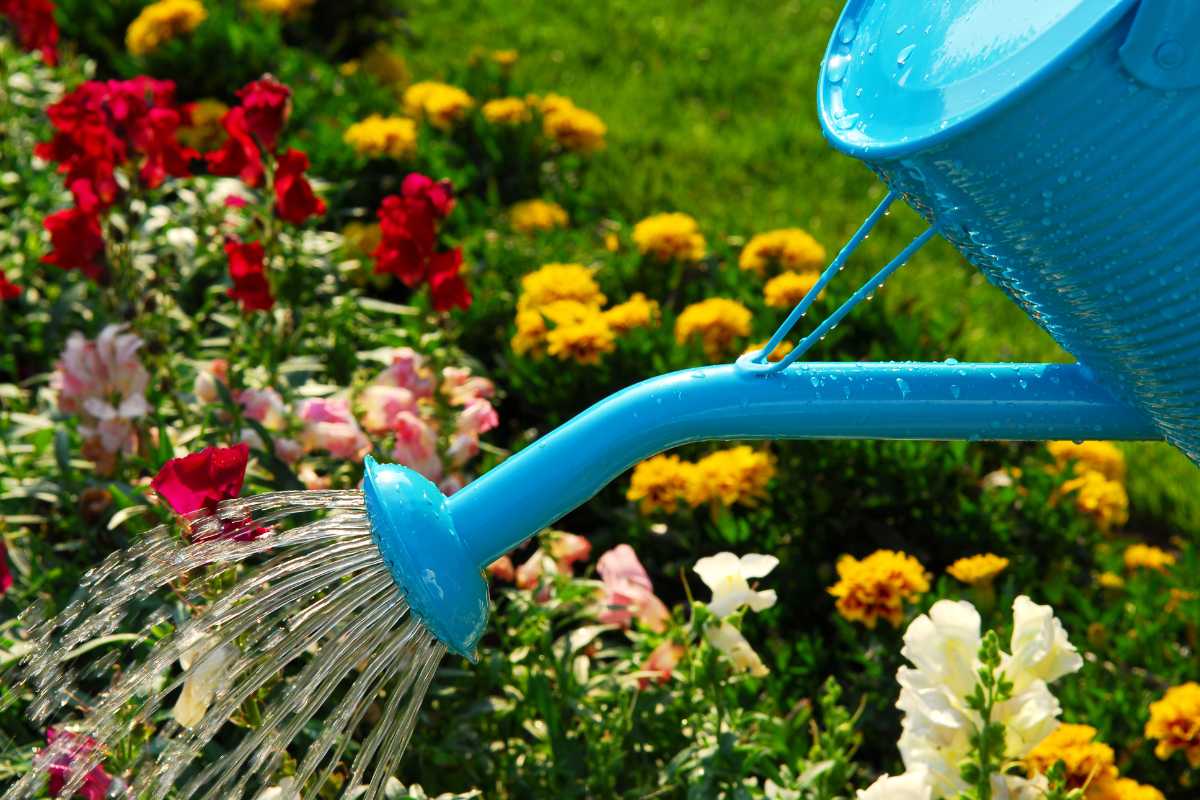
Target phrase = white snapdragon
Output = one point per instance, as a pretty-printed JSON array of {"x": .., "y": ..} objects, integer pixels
[{"x": 728, "y": 577}]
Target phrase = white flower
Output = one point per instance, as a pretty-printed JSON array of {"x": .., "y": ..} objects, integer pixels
[
  {"x": 727, "y": 576},
  {"x": 944, "y": 644},
  {"x": 729, "y": 640},
  {"x": 1028, "y": 718},
  {"x": 183, "y": 239},
  {"x": 202, "y": 680},
  {"x": 912, "y": 785},
  {"x": 1040, "y": 650}
]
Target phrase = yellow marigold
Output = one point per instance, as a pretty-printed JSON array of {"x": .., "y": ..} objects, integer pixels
[
  {"x": 378, "y": 136},
  {"x": 159, "y": 23},
  {"x": 1129, "y": 789},
  {"x": 285, "y": 8},
  {"x": 1110, "y": 580},
  {"x": 716, "y": 321},
  {"x": 1087, "y": 762},
  {"x": 788, "y": 288},
  {"x": 203, "y": 130},
  {"x": 574, "y": 128},
  {"x": 978, "y": 569},
  {"x": 735, "y": 475},
  {"x": 660, "y": 483},
  {"x": 535, "y": 323},
  {"x": 670, "y": 236},
  {"x": 584, "y": 341},
  {"x": 439, "y": 103},
  {"x": 362, "y": 237},
  {"x": 505, "y": 58},
  {"x": 789, "y": 248},
  {"x": 550, "y": 103},
  {"x": 1100, "y": 498},
  {"x": 536, "y": 215},
  {"x": 384, "y": 65},
  {"x": 1144, "y": 556},
  {"x": 780, "y": 352},
  {"x": 555, "y": 282},
  {"x": 878, "y": 586},
  {"x": 636, "y": 312},
  {"x": 1102, "y": 457},
  {"x": 1175, "y": 723},
  {"x": 506, "y": 111}
]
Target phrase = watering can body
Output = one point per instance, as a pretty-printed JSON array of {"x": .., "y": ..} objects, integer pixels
[{"x": 1056, "y": 144}]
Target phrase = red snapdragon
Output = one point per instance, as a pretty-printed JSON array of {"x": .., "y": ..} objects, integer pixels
[
  {"x": 77, "y": 242},
  {"x": 8, "y": 289},
  {"x": 62, "y": 766},
  {"x": 294, "y": 198},
  {"x": 6, "y": 580},
  {"x": 201, "y": 480},
  {"x": 250, "y": 285},
  {"x": 35, "y": 26},
  {"x": 238, "y": 157},
  {"x": 267, "y": 105}
]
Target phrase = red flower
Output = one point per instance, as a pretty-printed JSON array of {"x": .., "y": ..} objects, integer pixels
[
  {"x": 8, "y": 291},
  {"x": 201, "y": 480},
  {"x": 5, "y": 576},
  {"x": 437, "y": 195},
  {"x": 35, "y": 26},
  {"x": 78, "y": 244},
  {"x": 446, "y": 283},
  {"x": 238, "y": 156},
  {"x": 294, "y": 198},
  {"x": 407, "y": 239},
  {"x": 164, "y": 155},
  {"x": 95, "y": 785},
  {"x": 266, "y": 107},
  {"x": 250, "y": 286}
]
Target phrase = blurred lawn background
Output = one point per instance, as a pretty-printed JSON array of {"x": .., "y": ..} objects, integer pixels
[{"x": 711, "y": 110}]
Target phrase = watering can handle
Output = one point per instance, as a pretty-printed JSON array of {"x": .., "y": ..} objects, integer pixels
[
  {"x": 1163, "y": 46},
  {"x": 757, "y": 361}
]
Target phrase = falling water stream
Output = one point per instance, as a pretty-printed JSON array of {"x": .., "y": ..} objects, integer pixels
[{"x": 303, "y": 625}]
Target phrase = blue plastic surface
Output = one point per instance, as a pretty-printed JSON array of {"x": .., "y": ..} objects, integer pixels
[
  {"x": 1163, "y": 46},
  {"x": 412, "y": 526},
  {"x": 901, "y": 400},
  {"x": 1075, "y": 192}
]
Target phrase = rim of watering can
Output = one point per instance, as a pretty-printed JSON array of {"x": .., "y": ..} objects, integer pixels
[{"x": 868, "y": 112}]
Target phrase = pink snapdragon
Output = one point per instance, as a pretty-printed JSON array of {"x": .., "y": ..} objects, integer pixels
[
  {"x": 416, "y": 445},
  {"x": 382, "y": 404},
  {"x": 62, "y": 767},
  {"x": 661, "y": 660},
  {"x": 628, "y": 592},
  {"x": 104, "y": 382},
  {"x": 205, "y": 385},
  {"x": 408, "y": 371},
  {"x": 329, "y": 425},
  {"x": 478, "y": 416},
  {"x": 461, "y": 387},
  {"x": 264, "y": 406}
]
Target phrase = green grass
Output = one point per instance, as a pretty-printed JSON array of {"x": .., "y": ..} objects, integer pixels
[{"x": 711, "y": 110}]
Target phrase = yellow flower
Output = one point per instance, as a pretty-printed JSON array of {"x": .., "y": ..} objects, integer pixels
[
  {"x": 1100, "y": 498},
  {"x": 384, "y": 65},
  {"x": 878, "y": 586},
  {"x": 781, "y": 349},
  {"x": 788, "y": 288},
  {"x": 1088, "y": 763},
  {"x": 362, "y": 237},
  {"x": 736, "y": 475},
  {"x": 204, "y": 131},
  {"x": 584, "y": 341},
  {"x": 1102, "y": 457},
  {"x": 1110, "y": 580},
  {"x": 1129, "y": 789},
  {"x": 536, "y": 215},
  {"x": 716, "y": 321},
  {"x": 660, "y": 482},
  {"x": 505, "y": 58},
  {"x": 286, "y": 8},
  {"x": 159, "y": 23},
  {"x": 534, "y": 324},
  {"x": 1175, "y": 723},
  {"x": 378, "y": 136},
  {"x": 612, "y": 243},
  {"x": 1144, "y": 556},
  {"x": 670, "y": 236},
  {"x": 789, "y": 248},
  {"x": 978, "y": 569},
  {"x": 506, "y": 111},
  {"x": 439, "y": 103},
  {"x": 531, "y": 333},
  {"x": 555, "y": 282},
  {"x": 636, "y": 312},
  {"x": 574, "y": 128}
]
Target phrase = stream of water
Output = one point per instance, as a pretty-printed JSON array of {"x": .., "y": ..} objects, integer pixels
[{"x": 284, "y": 641}]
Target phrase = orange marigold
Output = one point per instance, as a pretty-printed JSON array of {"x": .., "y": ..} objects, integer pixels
[
  {"x": 878, "y": 586},
  {"x": 1175, "y": 723}
]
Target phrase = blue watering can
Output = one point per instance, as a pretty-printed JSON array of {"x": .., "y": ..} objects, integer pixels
[{"x": 1055, "y": 143}]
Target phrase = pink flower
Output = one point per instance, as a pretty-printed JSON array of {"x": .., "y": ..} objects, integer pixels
[
  {"x": 205, "y": 385},
  {"x": 408, "y": 371},
  {"x": 264, "y": 406},
  {"x": 104, "y": 382},
  {"x": 461, "y": 387},
  {"x": 462, "y": 448},
  {"x": 6, "y": 580},
  {"x": 287, "y": 450},
  {"x": 661, "y": 660},
  {"x": 529, "y": 574},
  {"x": 628, "y": 592},
  {"x": 329, "y": 425},
  {"x": 416, "y": 445},
  {"x": 61, "y": 768},
  {"x": 452, "y": 483},
  {"x": 501, "y": 569},
  {"x": 311, "y": 480},
  {"x": 479, "y": 416},
  {"x": 381, "y": 403}
]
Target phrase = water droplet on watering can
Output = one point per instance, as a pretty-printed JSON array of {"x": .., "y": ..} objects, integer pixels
[
  {"x": 902, "y": 56},
  {"x": 698, "y": 376},
  {"x": 904, "y": 390},
  {"x": 951, "y": 361},
  {"x": 901, "y": 29},
  {"x": 849, "y": 31},
  {"x": 873, "y": 48},
  {"x": 835, "y": 67},
  {"x": 955, "y": 392}
]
